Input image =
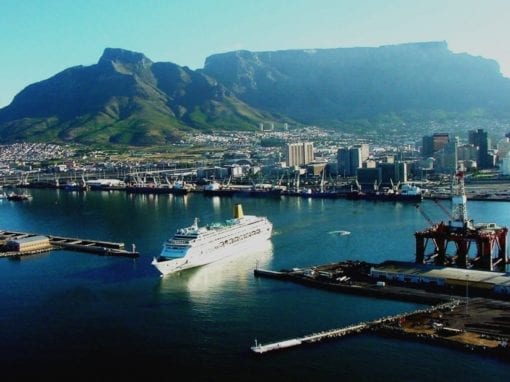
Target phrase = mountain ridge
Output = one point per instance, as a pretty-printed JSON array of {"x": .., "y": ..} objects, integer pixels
[
  {"x": 362, "y": 82},
  {"x": 126, "y": 98}
]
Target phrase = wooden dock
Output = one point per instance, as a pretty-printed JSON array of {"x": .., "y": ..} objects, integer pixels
[
  {"x": 344, "y": 331},
  {"x": 105, "y": 248}
]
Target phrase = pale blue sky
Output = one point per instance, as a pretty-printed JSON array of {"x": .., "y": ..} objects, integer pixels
[{"x": 39, "y": 38}]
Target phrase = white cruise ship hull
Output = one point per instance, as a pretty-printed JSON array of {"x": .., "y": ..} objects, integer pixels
[
  {"x": 200, "y": 259},
  {"x": 200, "y": 255}
]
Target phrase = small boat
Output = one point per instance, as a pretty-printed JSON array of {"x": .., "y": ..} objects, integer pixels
[
  {"x": 340, "y": 233},
  {"x": 18, "y": 197}
]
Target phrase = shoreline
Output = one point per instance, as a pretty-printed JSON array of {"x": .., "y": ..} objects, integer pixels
[{"x": 478, "y": 324}]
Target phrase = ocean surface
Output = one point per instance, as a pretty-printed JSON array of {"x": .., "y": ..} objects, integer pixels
[{"x": 77, "y": 315}]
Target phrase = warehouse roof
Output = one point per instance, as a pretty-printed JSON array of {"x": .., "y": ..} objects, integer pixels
[
  {"x": 438, "y": 272},
  {"x": 29, "y": 239}
]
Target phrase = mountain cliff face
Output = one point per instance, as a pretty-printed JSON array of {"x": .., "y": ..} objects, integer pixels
[
  {"x": 127, "y": 99},
  {"x": 124, "y": 98},
  {"x": 349, "y": 83}
]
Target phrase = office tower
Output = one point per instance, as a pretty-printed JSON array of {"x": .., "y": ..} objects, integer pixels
[{"x": 480, "y": 139}]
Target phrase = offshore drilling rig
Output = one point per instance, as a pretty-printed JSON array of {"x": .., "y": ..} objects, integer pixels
[{"x": 489, "y": 238}]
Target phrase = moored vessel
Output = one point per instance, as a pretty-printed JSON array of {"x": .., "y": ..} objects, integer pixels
[
  {"x": 196, "y": 245},
  {"x": 408, "y": 193},
  {"x": 18, "y": 197},
  {"x": 216, "y": 189}
]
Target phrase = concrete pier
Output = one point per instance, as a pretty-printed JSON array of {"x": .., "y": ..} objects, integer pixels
[
  {"x": 105, "y": 248},
  {"x": 348, "y": 330}
]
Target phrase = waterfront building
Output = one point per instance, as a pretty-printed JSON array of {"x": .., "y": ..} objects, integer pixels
[
  {"x": 392, "y": 173},
  {"x": 503, "y": 148},
  {"x": 27, "y": 244},
  {"x": 505, "y": 165},
  {"x": 299, "y": 154},
  {"x": 364, "y": 151},
  {"x": 447, "y": 158},
  {"x": 454, "y": 278},
  {"x": 370, "y": 164},
  {"x": 237, "y": 171},
  {"x": 382, "y": 174},
  {"x": 368, "y": 177},
  {"x": 212, "y": 172},
  {"x": 316, "y": 168},
  {"x": 467, "y": 152},
  {"x": 349, "y": 160}
]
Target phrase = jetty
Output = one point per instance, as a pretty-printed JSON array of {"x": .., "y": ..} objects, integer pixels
[
  {"x": 16, "y": 244},
  {"x": 349, "y": 330},
  {"x": 470, "y": 309}
]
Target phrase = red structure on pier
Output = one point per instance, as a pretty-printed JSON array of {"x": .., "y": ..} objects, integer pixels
[{"x": 462, "y": 233}]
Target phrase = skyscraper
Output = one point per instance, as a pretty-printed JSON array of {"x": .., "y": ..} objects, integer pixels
[
  {"x": 349, "y": 159},
  {"x": 480, "y": 139},
  {"x": 434, "y": 143}
]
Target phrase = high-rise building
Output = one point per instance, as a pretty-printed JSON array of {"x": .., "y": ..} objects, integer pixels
[
  {"x": 503, "y": 148},
  {"x": 349, "y": 159},
  {"x": 343, "y": 161},
  {"x": 392, "y": 173},
  {"x": 427, "y": 146},
  {"x": 364, "y": 149},
  {"x": 450, "y": 156},
  {"x": 434, "y": 143},
  {"x": 505, "y": 165},
  {"x": 299, "y": 154},
  {"x": 467, "y": 153},
  {"x": 480, "y": 139}
]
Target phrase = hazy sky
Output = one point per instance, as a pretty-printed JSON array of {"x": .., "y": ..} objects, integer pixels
[{"x": 39, "y": 38}]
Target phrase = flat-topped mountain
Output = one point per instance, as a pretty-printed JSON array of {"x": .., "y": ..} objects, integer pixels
[
  {"x": 328, "y": 85},
  {"x": 127, "y": 99}
]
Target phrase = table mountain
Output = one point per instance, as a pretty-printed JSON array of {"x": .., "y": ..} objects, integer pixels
[
  {"x": 127, "y": 99},
  {"x": 327, "y": 85}
]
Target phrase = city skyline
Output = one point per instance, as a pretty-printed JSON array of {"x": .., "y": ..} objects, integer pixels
[{"x": 40, "y": 39}]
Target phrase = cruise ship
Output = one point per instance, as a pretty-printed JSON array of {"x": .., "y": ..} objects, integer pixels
[{"x": 195, "y": 246}]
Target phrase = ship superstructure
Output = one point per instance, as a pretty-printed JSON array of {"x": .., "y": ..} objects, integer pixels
[
  {"x": 196, "y": 245},
  {"x": 460, "y": 234}
]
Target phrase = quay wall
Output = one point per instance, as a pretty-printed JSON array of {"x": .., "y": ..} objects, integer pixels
[{"x": 361, "y": 289}]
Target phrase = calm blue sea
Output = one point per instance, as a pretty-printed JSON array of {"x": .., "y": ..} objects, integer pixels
[{"x": 83, "y": 316}]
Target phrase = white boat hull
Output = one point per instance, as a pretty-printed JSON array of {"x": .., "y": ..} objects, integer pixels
[{"x": 197, "y": 257}]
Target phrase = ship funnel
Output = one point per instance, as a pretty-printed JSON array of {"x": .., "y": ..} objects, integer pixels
[{"x": 238, "y": 211}]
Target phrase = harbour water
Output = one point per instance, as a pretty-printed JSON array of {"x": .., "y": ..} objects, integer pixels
[{"x": 116, "y": 317}]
